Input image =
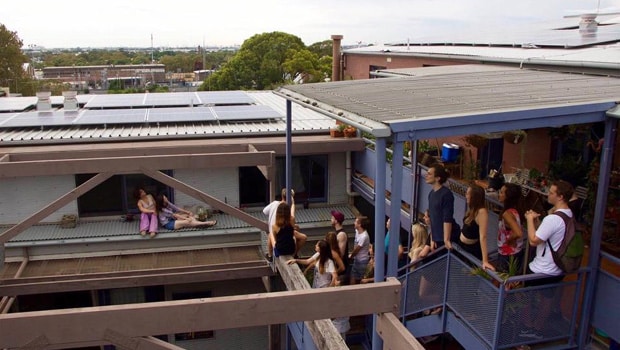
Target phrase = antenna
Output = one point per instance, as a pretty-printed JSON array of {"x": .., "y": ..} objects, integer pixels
[{"x": 152, "y": 60}]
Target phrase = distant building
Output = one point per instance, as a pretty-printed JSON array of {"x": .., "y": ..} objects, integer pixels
[{"x": 97, "y": 76}]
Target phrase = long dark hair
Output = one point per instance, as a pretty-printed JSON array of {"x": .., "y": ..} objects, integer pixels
[
  {"x": 512, "y": 199},
  {"x": 283, "y": 215},
  {"x": 160, "y": 203},
  {"x": 325, "y": 253},
  {"x": 476, "y": 202}
]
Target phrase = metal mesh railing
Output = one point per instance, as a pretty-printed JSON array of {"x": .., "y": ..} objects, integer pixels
[{"x": 501, "y": 314}]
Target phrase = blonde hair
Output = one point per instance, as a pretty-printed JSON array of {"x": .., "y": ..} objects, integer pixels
[{"x": 419, "y": 235}]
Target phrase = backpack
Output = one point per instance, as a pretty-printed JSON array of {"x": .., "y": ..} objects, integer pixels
[{"x": 569, "y": 254}]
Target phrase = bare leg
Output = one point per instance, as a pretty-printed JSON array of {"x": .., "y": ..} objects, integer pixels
[{"x": 300, "y": 240}]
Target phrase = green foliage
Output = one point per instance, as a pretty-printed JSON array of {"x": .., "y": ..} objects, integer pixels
[
  {"x": 266, "y": 61},
  {"x": 322, "y": 48},
  {"x": 11, "y": 58}
]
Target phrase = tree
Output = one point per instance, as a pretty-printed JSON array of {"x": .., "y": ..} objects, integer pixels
[
  {"x": 258, "y": 64},
  {"x": 322, "y": 48},
  {"x": 12, "y": 58}
]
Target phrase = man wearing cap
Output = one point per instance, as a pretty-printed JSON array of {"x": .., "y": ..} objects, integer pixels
[{"x": 343, "y": 242}]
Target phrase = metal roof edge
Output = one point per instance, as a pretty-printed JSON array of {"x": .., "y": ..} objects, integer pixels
[
  {"x": 614, "y": 112},
  {"x": 375, "y": 128}
]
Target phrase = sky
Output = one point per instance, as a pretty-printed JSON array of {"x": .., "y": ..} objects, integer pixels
[{"x": 187, "y": 23}]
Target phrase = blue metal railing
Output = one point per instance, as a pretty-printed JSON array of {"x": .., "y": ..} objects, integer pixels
[
  {"x": 606, "y": 301},
  {"x": 492, "y": 310}
]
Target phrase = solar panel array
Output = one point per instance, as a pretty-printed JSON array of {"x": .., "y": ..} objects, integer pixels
[{"x": 197, "y": 107}]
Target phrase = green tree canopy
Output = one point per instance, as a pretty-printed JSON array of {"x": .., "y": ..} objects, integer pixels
[
  {"x": 322, "y": 48},
  {"x": 11, "y": 58},
  {"x": 259, "y": 63}
]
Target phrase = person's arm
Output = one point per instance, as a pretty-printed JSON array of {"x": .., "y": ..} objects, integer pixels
[
  {"x": 516, "y": 232},
  {"x": 334, "y": 281},
  {"x": 142, "y": 208},
  {"x": 305, "y": 262},
  {"x": 532, "y": 224},
  {"x": 482, "y": 219},
  {"x": 447, "y": 232},
  {"x": 338, "y": 262},
  {"x": 342, "y": 242},
  {"x": 401, "y": 251},
  {"x": 355, "y": 251}
]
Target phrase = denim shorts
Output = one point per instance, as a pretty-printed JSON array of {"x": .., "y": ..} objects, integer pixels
[
  {"x": 359, "y": 268},
  {"x": 169, "y": 225}
]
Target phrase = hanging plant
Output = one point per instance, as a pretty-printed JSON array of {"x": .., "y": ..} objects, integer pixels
[
  {"x": 515, "y": 137},
  {"x": 476, "y": 140}
]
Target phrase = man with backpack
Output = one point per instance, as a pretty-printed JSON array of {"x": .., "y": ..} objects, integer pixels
[{"x": 545, "y": 235}]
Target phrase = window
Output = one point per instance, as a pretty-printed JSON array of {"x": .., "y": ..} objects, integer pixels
[
  {"x": 253, "y": 187},
  {"x": 309, "y": 177},
  {"x": 115, "y": 195}
]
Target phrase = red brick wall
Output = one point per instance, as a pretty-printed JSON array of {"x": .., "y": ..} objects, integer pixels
[{"x": 358, "y": 66}]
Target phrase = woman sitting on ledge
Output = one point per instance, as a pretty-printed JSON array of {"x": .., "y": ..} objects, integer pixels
[{"x": 172, "y": 217}]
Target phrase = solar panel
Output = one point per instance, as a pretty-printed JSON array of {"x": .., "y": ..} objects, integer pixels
[
  {"x": 116, "y": 101},
  {"x": 224, "y": 98},
  {"x": 239, "y": 113},
  {"x": 15, "y": 104},
  {"x": 112, "y": 116},
  {"x": 180, "y": 114},
  {"x": 172, "y": 99},
  {"x": 31, "y": 119}
]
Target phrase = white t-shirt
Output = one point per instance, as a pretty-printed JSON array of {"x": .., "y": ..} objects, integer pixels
[
  {"x": 551, "y": 229},
  {"x": 270, "y": 210},
  {"x": 362, "y": 240},
  {"x": 324, "y": 279}
]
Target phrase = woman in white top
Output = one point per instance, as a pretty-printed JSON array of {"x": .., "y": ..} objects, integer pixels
[
  {"x": 148, "y": 213},
  {"x": 325, "y": 274}
]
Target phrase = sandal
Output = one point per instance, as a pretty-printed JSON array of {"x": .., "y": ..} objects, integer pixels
[
  {"x": 142, "y": 233},
  {"x": 152, "y": 234}
]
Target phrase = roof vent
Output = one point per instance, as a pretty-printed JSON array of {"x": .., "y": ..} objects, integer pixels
[
  {"x": 44, "y": 102},
  {"x": 588, "y": 25},
  {"x": 71, "y": 102}
]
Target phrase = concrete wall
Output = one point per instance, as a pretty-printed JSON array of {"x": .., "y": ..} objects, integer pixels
[
  {"x": 23, "y": 196},
  {"x": 220, "y": 183}
]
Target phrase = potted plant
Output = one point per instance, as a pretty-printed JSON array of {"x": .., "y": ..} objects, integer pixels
[
  {"x": 476, "y": 140},
  {"x": 338, "y": 131},
  {"x": 350, "y": 131}
]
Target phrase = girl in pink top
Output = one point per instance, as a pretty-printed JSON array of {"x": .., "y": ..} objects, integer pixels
[{"x": 510, "y": 233}]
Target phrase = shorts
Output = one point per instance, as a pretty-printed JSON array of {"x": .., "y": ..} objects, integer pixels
[
  {"x": 169, "y": 225},
  {"x": 359, "y": 269}
]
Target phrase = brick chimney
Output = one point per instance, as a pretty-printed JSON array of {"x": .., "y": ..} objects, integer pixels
[{"x": 336, "y": 39}]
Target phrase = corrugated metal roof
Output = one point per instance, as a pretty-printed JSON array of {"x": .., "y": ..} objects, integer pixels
[
  {"x": 412, "y": 99},
  {"x": 305, "y": 121},
  {"x": 118, "y": 230}
]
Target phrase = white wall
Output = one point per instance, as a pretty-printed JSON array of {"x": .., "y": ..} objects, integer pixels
[
  {"x": 23, "y": 196},
  {"x": 222, "y": 184}
]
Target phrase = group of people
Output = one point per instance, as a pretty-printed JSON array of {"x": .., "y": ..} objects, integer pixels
[
  {"x": 159, "y": 211},
  {"x": 472, "y": 237}
]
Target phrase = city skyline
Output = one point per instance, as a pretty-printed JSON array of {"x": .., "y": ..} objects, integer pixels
[{"x": 70, "y": 24}]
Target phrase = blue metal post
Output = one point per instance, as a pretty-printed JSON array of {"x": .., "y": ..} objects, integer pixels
[
  {"x": 597, "y": 228},
  {"x": 396, "y": 196},
  {"x": 289, "y": 148},
  {"x": 377, "y": 343}
]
